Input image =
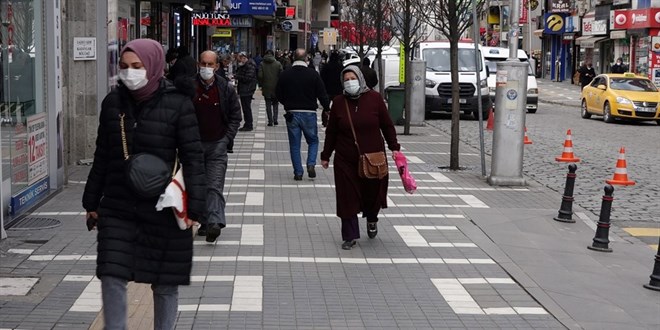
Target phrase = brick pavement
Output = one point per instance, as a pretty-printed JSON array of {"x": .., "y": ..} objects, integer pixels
[{"x": 279, "y": 262}]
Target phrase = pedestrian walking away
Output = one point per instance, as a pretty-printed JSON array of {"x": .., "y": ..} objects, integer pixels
[
  {"x": 136, "y": 242},
  {"x": 331, "y": 76},
  {"x": 370, "y": 122},
  {"x": 370, "y": 75},
  {"x": 268, "y": 76},
  {"x": 219, "y": 115},
  {"x": 184, "y": 66},
  {"x": 298, "y": 89},
  {"x": 587, "y": 73},
  {"x": 246, "y": 77}
]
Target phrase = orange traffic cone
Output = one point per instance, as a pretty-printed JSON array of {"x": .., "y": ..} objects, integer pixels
[
  {"x": 621, "y": 172},
  {"x": 527, "y": 140},
  {"x": 567, "y": 154},
  {"x": 491, "y": 120}
]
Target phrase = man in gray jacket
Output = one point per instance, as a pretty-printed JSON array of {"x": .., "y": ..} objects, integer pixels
[{"x": 268, "y": 75}]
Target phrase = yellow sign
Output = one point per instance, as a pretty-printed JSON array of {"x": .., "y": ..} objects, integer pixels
[
  {"x": 329, "y": 37},
  {"x": 402, "y": 65},
  {"x": 222, "y": 33},
  {"x": 554, "y": 23}
]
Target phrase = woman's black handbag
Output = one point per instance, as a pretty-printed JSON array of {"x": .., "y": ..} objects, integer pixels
[{"x": 146, "y": 174}]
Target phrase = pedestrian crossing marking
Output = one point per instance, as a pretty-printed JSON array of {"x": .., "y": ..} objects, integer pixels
[
  {"x": 16, "y": 286},
  {"x": 461, "y": 301},
  {"x": 413, "y": 238}
]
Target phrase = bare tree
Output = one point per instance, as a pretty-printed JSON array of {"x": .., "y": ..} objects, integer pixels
[
  {"x": 407, "y": 27},
  {"x": 365, "y": 25},
  {"x": 451, "y": 18},
  {"x": 22, "y": 24}
]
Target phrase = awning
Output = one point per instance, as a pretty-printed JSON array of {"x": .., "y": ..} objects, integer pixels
[
  {"x": 538, "y": 32},
  {"x": 588, "y": 41}
]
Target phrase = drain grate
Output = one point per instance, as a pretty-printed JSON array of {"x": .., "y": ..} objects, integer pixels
[{"x": 35, "y": 223}]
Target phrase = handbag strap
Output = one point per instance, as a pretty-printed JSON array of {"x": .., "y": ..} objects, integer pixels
[
  {"x": 124, "y": 145},
  {"x": 350, "y": 120}
]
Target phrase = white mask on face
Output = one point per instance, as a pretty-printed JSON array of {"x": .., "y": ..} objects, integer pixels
[
  {"x": 352, "y": 87},
  {"x": 133, "y": 79},
  {"x": 206, "y": 73}
]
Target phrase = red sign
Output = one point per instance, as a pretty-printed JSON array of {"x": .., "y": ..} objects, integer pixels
[
  {"x": 290, "y": 12},
  {"x": 211, "y": 19},
  {"x": 637, "y": 18},
  {"x": 523, "y": 12}
]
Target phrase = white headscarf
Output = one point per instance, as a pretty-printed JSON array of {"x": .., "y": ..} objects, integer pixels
[{"x": 360, "y": 76}]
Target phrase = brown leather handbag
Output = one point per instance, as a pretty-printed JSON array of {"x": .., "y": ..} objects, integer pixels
[{"x": 372, "y": 165}]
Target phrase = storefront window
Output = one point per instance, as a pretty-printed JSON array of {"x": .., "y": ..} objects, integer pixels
[
  {"x": 641, "y": 55},
  {"x": 24, "y": 154}
]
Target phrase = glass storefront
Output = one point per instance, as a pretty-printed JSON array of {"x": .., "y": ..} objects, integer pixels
[{"x": 22, "y": 112}]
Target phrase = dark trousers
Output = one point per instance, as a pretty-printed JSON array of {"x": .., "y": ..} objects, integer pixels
[
  {"x": 271, "y": 109},
  {"x": 246, "y": 104},
  {"x": 350, "y": 227}
]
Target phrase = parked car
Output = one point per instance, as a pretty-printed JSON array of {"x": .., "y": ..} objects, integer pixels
[{"x": 621, "y": 96}]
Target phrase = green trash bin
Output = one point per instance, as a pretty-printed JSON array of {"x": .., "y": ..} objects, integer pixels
[{"x": 395, "y": 103}]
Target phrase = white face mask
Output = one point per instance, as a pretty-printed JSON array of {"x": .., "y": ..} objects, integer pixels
[
  {"x": 352, "y": 87},
  {"x": 206, "y": 73},
  {"x": 133, "y": 79}
]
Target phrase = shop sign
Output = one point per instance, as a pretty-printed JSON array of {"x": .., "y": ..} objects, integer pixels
[
  {"x": 621, "y": 2},
  {"x": 554, "y": 24},
  {"x": 84, "y": 49},
  {"x": 654, "y": 66},
  {"x": 618, "y": 34},
  {"x": 523, "y": 12},
  {"x": 568, "y": 37},
  {"x": 593, "y": 27},
  {"x": 241, "y": 22},
  {"x": 210, "y": 19},
  {"x": 252, "y": 7},
  {"x": 637, "y": 19},
  {"x": 560, "y": 6},
  {"x": 222, "y": 33},
  {"x": 37, "y": 144},
  {"x": 572, "y": 24},
  {"x": 28, "y": 197}
]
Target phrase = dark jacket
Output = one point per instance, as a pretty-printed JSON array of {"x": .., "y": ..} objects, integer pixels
[
  {"x": 136, "y": 242},
  {"x": 331, "y": 76},
  {"x": 230, "y": 107},
  {"x": 268, "y": 75},
  {"x": 618, "y": 68},
  {"x": 185, "y": 66},
  {"x": 246, "y": 76},
  {"x": 586, "y": 75},
  {"x": 299, "y": 87},
  {"x": 370, "y": 76}
]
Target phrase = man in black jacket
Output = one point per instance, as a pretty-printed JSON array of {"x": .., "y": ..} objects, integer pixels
[
  {"x": 219, "y": 115},
  {"x": 246, "y": 76},
  {"x": 184, "y": 66},
  {"x": 587, "y": 73},
  {"x": 370, "y": 75},
  {"x": 298, "y": 89}
]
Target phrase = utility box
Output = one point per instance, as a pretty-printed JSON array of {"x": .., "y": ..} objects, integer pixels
[
  {"x": 395, "y": 99},
  {"x": 417, "y": 102}
]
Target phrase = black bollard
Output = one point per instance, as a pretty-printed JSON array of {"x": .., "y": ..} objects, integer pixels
[
  {"x": 601, "y": 239},
  {"x": 566, "y": 209},
  {"x": 654, "y": 283}
]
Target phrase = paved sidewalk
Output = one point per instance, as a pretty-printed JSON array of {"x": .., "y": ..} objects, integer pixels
[
  {"x": 559, "y": 93},
  {"x": 456, "y": 254}
]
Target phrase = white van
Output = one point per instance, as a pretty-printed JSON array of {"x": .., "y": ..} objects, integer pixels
[
  {"x": 497, "y": 54},
  {"x": 438, "y": 77}
]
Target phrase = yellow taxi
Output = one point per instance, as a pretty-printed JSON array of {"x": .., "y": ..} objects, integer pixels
[{"x": 623, "y": 96}]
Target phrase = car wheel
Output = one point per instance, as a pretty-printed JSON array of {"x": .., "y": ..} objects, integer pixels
[
  {"x": 584, "y": 112},
  {"x": 531, "y": 110},
  {"x": 607, "y": 113}
]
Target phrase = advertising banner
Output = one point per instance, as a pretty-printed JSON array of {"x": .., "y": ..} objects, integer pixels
[
  {"x": 637, "y": 19},
  {"x": 37, "y": 141},
  {"x": 252, "y": 7},
  {"x": 554, "y": 24},
  {"x": 560, "y": 6},
  {"x": 654, "y": 66}
]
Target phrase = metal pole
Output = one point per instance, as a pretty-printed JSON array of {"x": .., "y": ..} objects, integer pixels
[
  {"x": 529, "y": 30},
  {"x": 514, "y": 17},
  {"x": 475, "y": 27}
]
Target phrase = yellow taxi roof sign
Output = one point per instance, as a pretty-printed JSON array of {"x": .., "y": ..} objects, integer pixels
[{"x": 629, "y": 75}]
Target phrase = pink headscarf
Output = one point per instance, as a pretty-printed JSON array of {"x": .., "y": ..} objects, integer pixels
[{"x": 152, "y": 56}]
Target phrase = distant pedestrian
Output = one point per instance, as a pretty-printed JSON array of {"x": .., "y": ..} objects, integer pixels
[
  {"x": 268, "y": 76},
  {"x": 371, "y": 122},
  {"x": 246, "y": 77},
  {"x": 184, "y": 67},
  {"x": 370, "y": 76},
  {"x": 136, "y": 242},
  {"x": 317, "y": 59},
  {"x": 587, "y": 73},
  {"x": 219, "y": 115},
  {"x": 619, "y": 67},
  {"x": 298, "y": 89},
  {"x": 331, "y": 76}
]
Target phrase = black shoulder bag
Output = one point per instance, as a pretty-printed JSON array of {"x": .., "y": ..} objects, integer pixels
[{"x": 146, "y": 174}]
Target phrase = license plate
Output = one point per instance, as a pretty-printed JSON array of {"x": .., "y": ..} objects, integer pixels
[
  {"x": 461, "y": 101},
  {"x": 643, "y": 109}
]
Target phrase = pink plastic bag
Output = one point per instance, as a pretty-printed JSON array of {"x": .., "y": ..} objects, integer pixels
[{"x": 407, "y": 179}]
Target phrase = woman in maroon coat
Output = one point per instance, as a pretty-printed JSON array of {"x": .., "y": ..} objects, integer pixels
[{"x": 371, "y": 122}]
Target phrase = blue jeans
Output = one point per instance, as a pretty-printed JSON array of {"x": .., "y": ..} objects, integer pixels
[
  {"x": 302, "y": 123},
  {"x": 215, "y": 159},
  {"x": 113, "y": 292}
]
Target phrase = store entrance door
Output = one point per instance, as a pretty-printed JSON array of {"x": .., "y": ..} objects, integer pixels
[{"x": 293, "y": 41}]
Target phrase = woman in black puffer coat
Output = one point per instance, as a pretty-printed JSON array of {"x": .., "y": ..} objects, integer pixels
[{"x": 136, "y": 242}]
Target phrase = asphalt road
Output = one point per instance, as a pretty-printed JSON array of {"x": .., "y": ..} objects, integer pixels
[{"x": 597, "y": 144}]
